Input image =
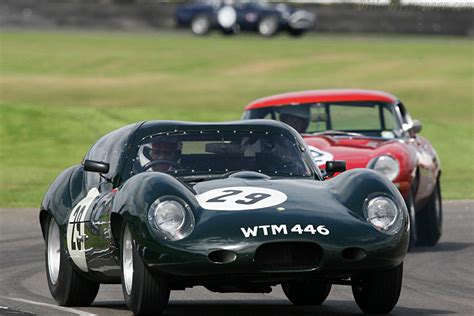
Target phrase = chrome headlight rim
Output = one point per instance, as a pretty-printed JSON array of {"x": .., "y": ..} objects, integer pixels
[
  {"x": 183, "y": 230},
  {"x": 396, "y": 224},
  {"x": 396, "y": 166}
]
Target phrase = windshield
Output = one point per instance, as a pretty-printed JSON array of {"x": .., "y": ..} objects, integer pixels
[
  {"x": 219, "y": 152},
  {"x": 369, "y": 119}
]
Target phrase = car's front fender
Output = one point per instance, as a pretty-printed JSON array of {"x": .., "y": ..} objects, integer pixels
[{"x": 134, "y": 198}]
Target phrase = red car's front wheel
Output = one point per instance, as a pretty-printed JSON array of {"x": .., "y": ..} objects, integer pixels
[{"x": 430, "y": 218}]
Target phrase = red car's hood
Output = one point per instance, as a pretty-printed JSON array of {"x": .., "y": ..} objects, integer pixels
[{"x": 357, "y": 152}]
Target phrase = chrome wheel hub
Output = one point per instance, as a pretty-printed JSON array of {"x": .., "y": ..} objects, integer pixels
[
  {"x": 127, "y": 259},
  {"x": 200, "y": 26},
  {"x": 412, "y": 214},
  {"x": 437, "y": 209},
  {"x": 267, "y": 27},
  {"x": 54, "y": 254}
]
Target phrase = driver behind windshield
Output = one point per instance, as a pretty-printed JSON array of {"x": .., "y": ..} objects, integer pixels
[
  {"x": 219, "y": 152},
  {"x": 166, "y": 155},
  {"x": 297, "y": 116}
]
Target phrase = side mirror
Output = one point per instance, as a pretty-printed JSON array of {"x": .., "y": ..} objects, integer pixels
[
  {"x": 333, "y": 166},
  {"x": 96, "y": 166},
  {"x": 416, "y": 127}
]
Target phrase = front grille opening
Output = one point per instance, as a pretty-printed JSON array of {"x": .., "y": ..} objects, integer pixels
[{"x": 281, "y": 256}]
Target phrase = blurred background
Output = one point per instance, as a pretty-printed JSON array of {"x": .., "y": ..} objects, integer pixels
[{"x": 73, "y": 70}]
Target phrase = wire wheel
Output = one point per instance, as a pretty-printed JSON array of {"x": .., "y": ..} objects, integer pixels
[
  {"x": 200, "y": 25},
  {"x": 268, "y": 26}
]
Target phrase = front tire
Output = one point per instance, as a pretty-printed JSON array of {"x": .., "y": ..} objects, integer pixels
[
  {"x": 378, "y": 292},
  {"x": 430, "y": 219},
  {"x": 410, "y": 202},
  {"x": 67, "y": 286},
  {"x": 145, "y": 293},
  {"x": 306, "y": 293}
]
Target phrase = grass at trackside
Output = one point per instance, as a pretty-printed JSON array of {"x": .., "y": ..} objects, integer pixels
[{"x": 61, "y": 91}]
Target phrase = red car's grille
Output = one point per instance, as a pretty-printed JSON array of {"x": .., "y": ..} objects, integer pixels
[{"x": 281, "y": 256}]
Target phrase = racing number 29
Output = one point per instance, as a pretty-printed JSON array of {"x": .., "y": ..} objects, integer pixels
[
  {"x": 251, "y": 198},
  {"x": 76, "y": 228}
]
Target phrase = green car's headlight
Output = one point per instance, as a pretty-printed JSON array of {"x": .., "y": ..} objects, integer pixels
[
  {"x": 386, "y": 165},
  {"x": 384, "y": 214},
  {"x": 171, "y": 218}
]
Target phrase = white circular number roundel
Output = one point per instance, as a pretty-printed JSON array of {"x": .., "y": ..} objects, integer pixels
[
  {"x": 320, "y": 157},
  {"x": 240, "y": 198},
  {"x": 227, "y": 17}
]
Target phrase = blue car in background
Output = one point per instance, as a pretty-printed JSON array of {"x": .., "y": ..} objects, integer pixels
[{"x": 231, "y": 16}]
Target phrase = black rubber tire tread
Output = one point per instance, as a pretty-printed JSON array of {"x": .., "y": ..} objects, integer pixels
[
  {"x": 306, "y": 293},
  {"x": 71, "y": 288},
  {"x": 150, "y": 293},
  {"x": 429, "y": 229},
  {"x": 410, "y": 203},
  {"x": 378, "y": 292}
]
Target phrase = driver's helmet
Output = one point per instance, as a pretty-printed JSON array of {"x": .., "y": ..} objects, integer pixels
[
  {"x": 297, "y": 116},
  {"x": 166, "y": 153},
  {"x": 165, "y": 150}
]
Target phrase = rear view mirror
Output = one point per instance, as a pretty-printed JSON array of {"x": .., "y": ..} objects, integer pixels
[
  {"x": 96, "y": 166},
  {"x": 333, "y": 166},
  {"x": 415, "y": 128}
]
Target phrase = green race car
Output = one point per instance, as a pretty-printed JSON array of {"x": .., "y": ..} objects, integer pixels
[{"x": 235, "y": 207}]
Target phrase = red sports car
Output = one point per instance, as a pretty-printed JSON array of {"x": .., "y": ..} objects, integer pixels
[{"x": 367, "y": 129}]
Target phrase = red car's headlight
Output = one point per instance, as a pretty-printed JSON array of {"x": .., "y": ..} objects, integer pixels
[{"x": 386, "y": 165}]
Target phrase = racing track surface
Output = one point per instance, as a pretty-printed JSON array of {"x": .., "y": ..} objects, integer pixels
[{"x": 437, "y": 281}]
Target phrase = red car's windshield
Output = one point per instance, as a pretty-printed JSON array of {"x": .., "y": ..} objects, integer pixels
[{"x": 365, "y": 118}]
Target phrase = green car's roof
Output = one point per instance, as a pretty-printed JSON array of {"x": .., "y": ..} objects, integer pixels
[{"x": 153, "y": 127}]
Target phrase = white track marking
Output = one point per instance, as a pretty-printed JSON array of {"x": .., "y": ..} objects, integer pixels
[
  {"x": 59, "y": 308},
  {"x": 320, "y": 157}
]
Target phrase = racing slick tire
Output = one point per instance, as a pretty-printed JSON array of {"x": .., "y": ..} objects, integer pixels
[
  {"x": 201, "y": 25},
  {"x": 430, "y": 219},
  {"x": 306, "y": 293},
  {"x": 145, "y": 293},
  {"x": 377, "y": 292},
  {"x": 410, "y": 202},
  {"x": 66, "y": 285},
  {"x": 268, "y": 26}
]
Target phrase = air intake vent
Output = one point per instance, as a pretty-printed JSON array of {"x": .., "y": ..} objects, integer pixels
[{"x": 281, "y": 256}]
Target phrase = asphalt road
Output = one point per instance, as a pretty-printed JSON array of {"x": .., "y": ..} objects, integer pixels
[{"x": 437, "y": 280}]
